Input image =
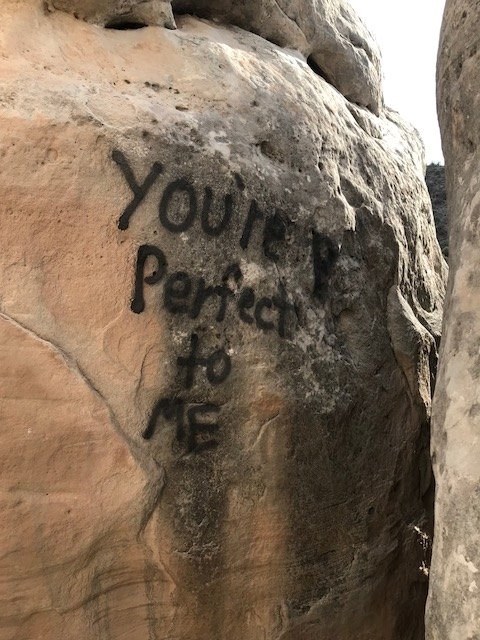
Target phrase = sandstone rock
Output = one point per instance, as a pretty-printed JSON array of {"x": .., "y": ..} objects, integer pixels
[
  {"x": 72, "y": 497},
  {"x": 454, "y": 600},
  {"x": 221, "y": 294},
  {"x": 327, "y": 31}
]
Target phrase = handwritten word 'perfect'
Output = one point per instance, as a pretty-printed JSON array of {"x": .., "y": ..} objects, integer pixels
[{"x": 184, "y": 294}]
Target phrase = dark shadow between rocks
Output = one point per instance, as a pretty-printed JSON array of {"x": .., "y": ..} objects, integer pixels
[
  {"x": 435, "y": 178},
  {"x": 125, "y": 25},
  {"x": 318, "y": 70}
]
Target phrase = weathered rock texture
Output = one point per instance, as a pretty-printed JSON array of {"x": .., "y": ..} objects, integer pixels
[
  {"x": 435, "y": 178},
  {"x": 327, "y": 31},
  {"x": 454, "y": 601},
  {"x": 220, "y": 294}
]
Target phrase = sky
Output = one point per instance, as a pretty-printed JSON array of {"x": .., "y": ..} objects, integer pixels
[{"x": 408, "y": 34}]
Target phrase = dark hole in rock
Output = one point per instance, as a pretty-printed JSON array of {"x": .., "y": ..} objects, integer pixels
[
  {"x": 125, "y": 25},
  {"x": 318, "y": 70}
]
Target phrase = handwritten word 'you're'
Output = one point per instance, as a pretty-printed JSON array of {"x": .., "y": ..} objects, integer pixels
[{"x": 274, "y": 227}]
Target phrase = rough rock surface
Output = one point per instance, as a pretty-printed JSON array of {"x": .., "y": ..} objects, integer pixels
[
  {"x": 220, "y": 294},
  {"x": 454, "y": 600},
  {"x": 327, "y": 31},
  {"x": 435, "y": 178}
]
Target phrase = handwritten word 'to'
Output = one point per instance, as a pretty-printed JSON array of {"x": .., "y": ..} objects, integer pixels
[{"x": 218, "y": 365}]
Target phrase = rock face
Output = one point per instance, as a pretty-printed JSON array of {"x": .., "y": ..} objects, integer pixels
[
  {"x": 435, "y": 178},
  {"x": 326, "y": 31},
  {"x": 220, "y": 297},
  {"x": 454, "y": 601}
]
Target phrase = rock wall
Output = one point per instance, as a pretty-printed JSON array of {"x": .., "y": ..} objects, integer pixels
[
  {"x": 220, "y": 295},
  {"x": 454, "y": 601}
]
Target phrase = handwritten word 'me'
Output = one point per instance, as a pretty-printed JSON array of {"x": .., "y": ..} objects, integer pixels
[{"x": 193, "y": 420}]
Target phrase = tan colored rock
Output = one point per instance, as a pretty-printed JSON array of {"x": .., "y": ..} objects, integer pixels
[
  {"x": 454, "y": 601},
  {"x": 73, "y": 501},
  {"x": 159, "y": 185},
  {"x": 328, "y": 32}
]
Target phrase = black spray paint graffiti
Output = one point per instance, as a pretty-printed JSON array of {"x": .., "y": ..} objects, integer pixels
[
  {"x": 139, "y": 190},
  {"x": 193, "y": 420},
  {"x": 218, "y": 365},
  {"x": 325, "y": 255},
  {"x": 188, "y": 295},
  {"x": 188, "y": 420},
  {"x": 275, "y": 226},
  {"x": 182, "y": 190}
]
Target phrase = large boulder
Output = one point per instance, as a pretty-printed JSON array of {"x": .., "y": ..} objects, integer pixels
[
  {"x": 220, "y": 298},
  {"x": 454, "y": 601},
  {"x": 328, "y": 31}
]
